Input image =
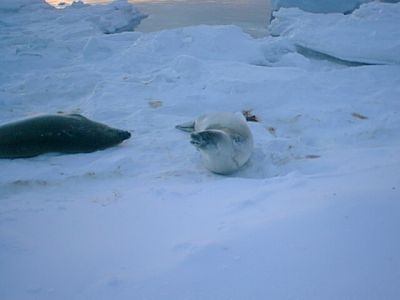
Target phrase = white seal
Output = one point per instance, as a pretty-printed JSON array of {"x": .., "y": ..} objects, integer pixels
[{"x": 223, "y": 139}]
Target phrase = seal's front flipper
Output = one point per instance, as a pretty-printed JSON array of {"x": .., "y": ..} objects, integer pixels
[{"x": 187, "y": 126}]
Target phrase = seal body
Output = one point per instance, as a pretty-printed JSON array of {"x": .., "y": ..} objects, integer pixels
[
  {"x": 71, "y": 133},
  {"x": 223, "y": 139}
]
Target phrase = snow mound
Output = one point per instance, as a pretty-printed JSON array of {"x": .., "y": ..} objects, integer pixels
[
  {"x": 117, "y": 17},
  {"x": 319, "y": 6},
  {"x": 222, "y": 43},
  {"x": 371, "y": 34}
]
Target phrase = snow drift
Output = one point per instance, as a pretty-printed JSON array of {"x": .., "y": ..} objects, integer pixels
[{"x": 345, "y": 36}]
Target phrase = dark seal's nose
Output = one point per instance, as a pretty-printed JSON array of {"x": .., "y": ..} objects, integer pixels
[{"x": 124, "y": 135}]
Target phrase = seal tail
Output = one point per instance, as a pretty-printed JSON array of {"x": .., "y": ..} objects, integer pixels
[{"x": 187, "y": 126}]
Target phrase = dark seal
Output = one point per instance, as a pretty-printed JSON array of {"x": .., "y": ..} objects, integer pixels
[{"x": 71, "y": 133}]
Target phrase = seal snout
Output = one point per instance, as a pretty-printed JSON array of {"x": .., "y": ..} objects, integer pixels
[
  {"x": 124, "y": 135},
  {"x": 204, "y": 138},
  {"x": 197, "y": 140},
  {"x": 194, "y": 139}
]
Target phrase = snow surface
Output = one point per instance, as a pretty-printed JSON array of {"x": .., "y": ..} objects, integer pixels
[
  {"x": 314, "y": 214},
  {"x": 320, "y": 6},
  {"x": 345, "y": 36}
]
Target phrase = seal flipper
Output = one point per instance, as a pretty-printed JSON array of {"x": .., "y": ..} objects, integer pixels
[{"x": 187, "y": 126}]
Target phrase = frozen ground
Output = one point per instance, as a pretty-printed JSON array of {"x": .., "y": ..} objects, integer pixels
[
  {"x": 314, "y": 215},
  {"x": 320, "y": 6}
]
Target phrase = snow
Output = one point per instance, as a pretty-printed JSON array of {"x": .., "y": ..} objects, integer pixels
[
  {"x": 344, "y": 36},
  {"x": 313, "y": 215},
  {"x": 320, "y": 6}
]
